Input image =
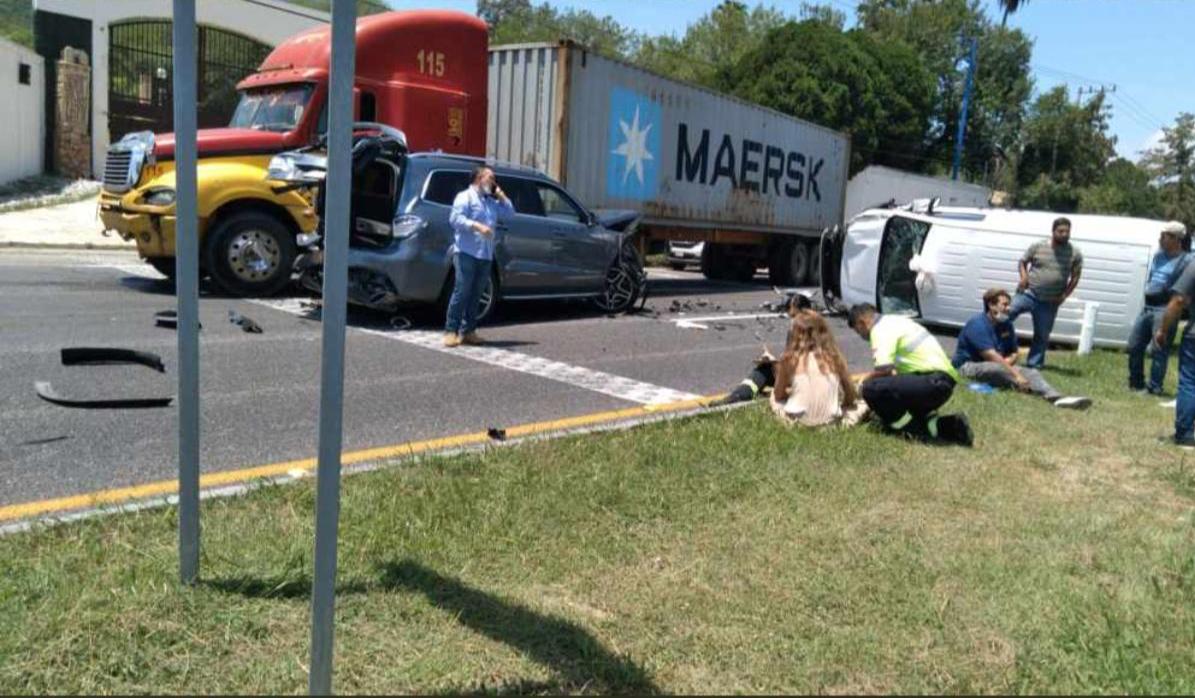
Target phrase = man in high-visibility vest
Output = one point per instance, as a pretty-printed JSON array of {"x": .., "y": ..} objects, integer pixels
[{"x": 912, "y": 378}]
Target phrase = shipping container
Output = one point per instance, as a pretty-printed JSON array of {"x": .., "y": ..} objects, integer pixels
[
  {"x": 877, "y": 185},
  {"x": 697, "y": 164}
]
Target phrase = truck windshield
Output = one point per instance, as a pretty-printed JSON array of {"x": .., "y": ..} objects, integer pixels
[{"x": 272, "y": 108}]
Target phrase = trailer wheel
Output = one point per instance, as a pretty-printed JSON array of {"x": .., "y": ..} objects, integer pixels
[{"x": 789, "y": 264}]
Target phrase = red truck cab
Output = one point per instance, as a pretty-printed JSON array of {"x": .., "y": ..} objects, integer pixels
[{"x": 422, "y": 71}]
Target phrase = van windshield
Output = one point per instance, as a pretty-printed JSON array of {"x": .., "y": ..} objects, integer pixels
[{"x": 278, "y": 108}]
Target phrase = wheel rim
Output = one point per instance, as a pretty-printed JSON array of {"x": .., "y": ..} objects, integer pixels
[
  {"x": 622, "y": 285},
  {"x": 254, "y": 255}
]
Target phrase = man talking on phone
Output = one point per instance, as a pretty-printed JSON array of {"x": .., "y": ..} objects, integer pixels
[{"x": 475, "y": 215}]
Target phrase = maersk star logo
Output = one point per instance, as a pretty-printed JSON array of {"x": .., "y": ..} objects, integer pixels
[{"x": 632, "y": 166}]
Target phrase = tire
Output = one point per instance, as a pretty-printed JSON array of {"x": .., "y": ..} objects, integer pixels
[
  {"x": 742, "y": 269},
  {"x": 814, "y": 277},
  {"x": 486, "y": 310},
  {"x": 163, "y": 265},
  {"x": 624, "y": 283},
  {"x": 251, "y": 254},
  {"x": 714, "y": 263},
  {"x": 789, "y": 264}
]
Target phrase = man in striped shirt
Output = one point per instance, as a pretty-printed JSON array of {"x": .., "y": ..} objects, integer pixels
[{"x": 912, "y": 378}]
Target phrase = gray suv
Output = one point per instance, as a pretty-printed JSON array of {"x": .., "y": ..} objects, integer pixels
[{"x": 400, "y": 244}]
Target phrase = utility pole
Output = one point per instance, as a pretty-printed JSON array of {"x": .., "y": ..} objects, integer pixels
[{"x": 962, "y": 119}]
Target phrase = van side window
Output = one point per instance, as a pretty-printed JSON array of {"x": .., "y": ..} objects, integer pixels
[
  {"x": 444, "y": 185},
  {"x": 556, "y": 204}
]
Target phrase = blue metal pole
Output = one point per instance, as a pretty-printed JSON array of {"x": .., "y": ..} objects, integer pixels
[
  {"x": 962, "y": 119},
  {"x": 186, "y": 287},
  {"x": 331, "y": 410}
]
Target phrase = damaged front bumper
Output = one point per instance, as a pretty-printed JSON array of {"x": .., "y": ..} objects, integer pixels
[
  {"x": 366, "y": 288},
  {"x": 151, "y": 229}
]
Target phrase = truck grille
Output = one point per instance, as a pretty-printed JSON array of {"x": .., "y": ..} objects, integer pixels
[{"x": 116, "y": 170}]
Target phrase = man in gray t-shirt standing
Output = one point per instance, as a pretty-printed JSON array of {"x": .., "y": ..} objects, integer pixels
[
  {"x": 1050, "y": 272},
  {"x": 1182, "y": 294}
]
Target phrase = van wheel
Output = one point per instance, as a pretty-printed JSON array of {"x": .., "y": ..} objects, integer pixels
[
  {"x": 624, "y": 284},
  {"x": 815, "y": 265},
  {"x": 251, "y": 254}
]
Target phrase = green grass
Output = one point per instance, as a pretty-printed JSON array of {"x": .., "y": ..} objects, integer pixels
[
  {"x": 44, "y": 190},
  {"x": 717, "y": 554}
]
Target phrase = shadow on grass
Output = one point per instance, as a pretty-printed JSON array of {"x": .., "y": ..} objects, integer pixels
[
  {"x": 282, "y": 587},
  {"x": 579, "y": 660}
]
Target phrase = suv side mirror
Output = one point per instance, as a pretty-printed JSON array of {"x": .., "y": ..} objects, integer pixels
[{"x": 590, "y": 219}]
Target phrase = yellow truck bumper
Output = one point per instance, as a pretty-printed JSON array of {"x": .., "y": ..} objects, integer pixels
[{"x": 153, "y": 232}]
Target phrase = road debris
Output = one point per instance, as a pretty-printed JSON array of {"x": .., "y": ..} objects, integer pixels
[
  {"x": 97, "y": 356},
  {"x": 46, "y": 392},
  {"x": 245, "y": 322},
  {"x": 496, "y": 434},
  {"x": 168, "y": 319}
]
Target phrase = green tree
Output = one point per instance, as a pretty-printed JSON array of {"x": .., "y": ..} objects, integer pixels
[
  {"x": 16, "y": 21},
  {"x": 1172, "y": 165},
  {"x": 939, "y": 31},
  {"x": 846, "y": 81},
  {"x": 1009, "y": 7},
  {"x": 712, "y": 46},
  {"x": 1066, "y": 148},
  {"x": 1122, "y": 189},
  {"x": 519, "y": 21}
]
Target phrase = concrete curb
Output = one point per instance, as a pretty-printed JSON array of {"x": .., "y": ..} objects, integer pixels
[{"x": 24, "y": 244}]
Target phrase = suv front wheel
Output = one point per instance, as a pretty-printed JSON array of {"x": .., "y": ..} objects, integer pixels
[
  {"x": 251, "y": 254},
  {"x": 625, "y": 282}
]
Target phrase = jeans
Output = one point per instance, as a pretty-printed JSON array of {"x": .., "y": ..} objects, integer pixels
[
  {"x": 472, "y": 274},
  {"x": 1139, "y": 338},
  {"x": 998, "y": 376},
  {"x": 1184, "y": 415},
  {"x": 1043, "y": 313}
]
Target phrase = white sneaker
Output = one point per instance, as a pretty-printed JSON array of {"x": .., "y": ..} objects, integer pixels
[{"x": 1073, "y": 403}]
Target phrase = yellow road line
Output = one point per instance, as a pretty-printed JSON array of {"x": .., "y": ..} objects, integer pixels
[{"x": 163, "y": 488}]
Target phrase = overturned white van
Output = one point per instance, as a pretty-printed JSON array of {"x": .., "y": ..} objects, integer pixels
[{"x": 936, "y": 264}]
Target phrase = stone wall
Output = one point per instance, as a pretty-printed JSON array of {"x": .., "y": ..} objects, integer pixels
[{"x": 72, "y": 135}]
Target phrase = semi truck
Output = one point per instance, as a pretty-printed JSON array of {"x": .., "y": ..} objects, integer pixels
[
  {"x": 756, "y": 186},
  {"x": 422, "y": 69}
]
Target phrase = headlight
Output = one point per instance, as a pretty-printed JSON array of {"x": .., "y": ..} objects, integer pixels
[
  {"x": 407, "y": 225},
  {"x": 159, "y": 197}
]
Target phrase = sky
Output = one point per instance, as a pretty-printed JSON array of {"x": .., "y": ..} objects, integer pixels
[{"x": 1140, "y": 46}]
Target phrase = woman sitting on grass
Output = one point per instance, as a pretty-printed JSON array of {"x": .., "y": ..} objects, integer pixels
[{"x": 813, "y": 387}]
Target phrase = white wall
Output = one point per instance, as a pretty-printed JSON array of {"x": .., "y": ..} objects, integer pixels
[
  {"x": 268, "y": 21},
  {"x": 22, "y": 113}
]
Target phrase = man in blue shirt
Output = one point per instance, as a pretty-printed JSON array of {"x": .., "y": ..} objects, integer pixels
[
  {"x": 986, "y": 352},
  {"x": 1164, "y": 269},
  {"x": 474, "y": 219}
]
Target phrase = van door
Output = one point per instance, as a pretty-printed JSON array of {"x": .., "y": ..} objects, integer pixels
[{"x": 896, "y": 289}]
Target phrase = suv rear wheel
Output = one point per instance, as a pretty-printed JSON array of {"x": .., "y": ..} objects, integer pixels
[{"x": 251, "y": 254}]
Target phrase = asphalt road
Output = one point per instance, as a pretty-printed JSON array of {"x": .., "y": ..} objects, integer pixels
[{"x": 260, "y": 394}]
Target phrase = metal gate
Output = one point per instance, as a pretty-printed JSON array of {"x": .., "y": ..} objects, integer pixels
[{"x": 139, "y": 67}]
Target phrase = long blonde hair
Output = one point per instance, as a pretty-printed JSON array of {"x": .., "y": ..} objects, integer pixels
[{"x": 810, "y": 335}]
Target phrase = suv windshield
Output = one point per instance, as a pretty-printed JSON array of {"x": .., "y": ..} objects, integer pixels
[{"x": 272, "y": 108}]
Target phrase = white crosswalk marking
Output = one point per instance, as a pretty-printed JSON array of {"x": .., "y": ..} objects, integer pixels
[{"x": 578, "y": 376}]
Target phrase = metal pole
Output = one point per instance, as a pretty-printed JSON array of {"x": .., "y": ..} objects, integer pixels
[
  {"x": 186, "y": 288},
  {"x": 962, "y": 118},
  {"x": 336, "y": 246}
]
